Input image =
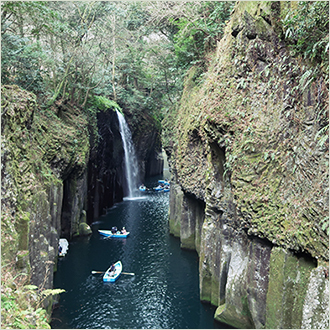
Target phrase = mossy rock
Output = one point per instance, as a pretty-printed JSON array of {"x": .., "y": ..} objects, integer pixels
[
  {"x": 84, "y": 229},
  {"x": 229, "y": 315}
]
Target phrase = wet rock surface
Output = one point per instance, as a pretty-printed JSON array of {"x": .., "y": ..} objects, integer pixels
[{"x": 245, "y": 145}]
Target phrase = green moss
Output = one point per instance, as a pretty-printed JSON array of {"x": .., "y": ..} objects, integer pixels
[
  {"x": 175, "y": 227},
  {"x": 205, "y": 286},
  {"x": 261, "y": 161},
  {"x": 39, "y": 149},
  {"x": 288, "y": 282},
  {"x": 228, "y": 314},
  {"x": 215, "y": 292},
  {"x": 290, "y": 276},
  {"x": 275, "y": 289},
  {"x": 188, "y": 242},
  {"x": 23, "y": 230},
  {"x": 305, "y": 267},
  {"x": 23, "y": 261}
]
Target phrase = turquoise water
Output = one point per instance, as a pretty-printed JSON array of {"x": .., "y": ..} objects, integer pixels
[{"x": 163, "y": 293}]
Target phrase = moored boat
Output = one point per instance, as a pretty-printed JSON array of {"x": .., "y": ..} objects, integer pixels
[
  {"x": 63, "y": 246},
  {"x": 159, "y": 188},
  {"x": 164, "y": 182},
  {"x": 108, "y": 233},
  {"x": 111, "y": 276}
]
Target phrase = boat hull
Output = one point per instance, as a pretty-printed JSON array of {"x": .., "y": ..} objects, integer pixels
[
  {"x": 107, "y": 277},
  {"x": 159, "y": 188},
  {"x": 108, "y": 233},
  {"x": 64, "y": 245}
]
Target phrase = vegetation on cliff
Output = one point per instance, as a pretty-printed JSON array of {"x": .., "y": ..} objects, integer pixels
[
  {"x": 258, "y": 105},
  {"x": 62, "y": 63},
  {"x": 266, "y": 109},
  {"x": 39, "y": 149}
]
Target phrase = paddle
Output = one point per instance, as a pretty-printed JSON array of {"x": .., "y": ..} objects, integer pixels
[{"x": 99, "y": 272}]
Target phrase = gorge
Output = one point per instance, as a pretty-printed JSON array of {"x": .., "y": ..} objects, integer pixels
[{"x": 247, "y": 145}]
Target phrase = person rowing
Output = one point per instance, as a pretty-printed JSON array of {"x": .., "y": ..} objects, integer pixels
[{"x": 112, "y": 270}]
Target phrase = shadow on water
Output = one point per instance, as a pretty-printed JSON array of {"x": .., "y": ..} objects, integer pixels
[{"x": 163, "y": 293}]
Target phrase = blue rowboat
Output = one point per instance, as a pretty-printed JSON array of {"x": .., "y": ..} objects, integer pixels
[
  {"x": 142, "y": 188},
  {"x": 159, "y": 188},
  {"x": 108, "y": 233},
  {"x": 112, "y": 276},
  {"x": 166, "y": 189},
  {"x": 164, "y": 182}
]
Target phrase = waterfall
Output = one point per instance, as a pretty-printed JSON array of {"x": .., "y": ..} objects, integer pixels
[{"x": 131, "y": 165}]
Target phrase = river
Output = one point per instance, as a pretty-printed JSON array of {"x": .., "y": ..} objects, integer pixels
[{"x": 163, "y": 293}]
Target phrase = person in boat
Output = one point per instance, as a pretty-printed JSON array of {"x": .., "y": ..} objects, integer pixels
[
  {"x": 142, "y": 187},
  {"x": 112, "y": 269},
  {"x": 59, "y": 249},
  {"x": 114, "y": 230},
  {"x": 123, "y": 231}
]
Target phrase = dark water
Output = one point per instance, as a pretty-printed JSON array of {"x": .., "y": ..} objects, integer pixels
[{"x": 163, "y": 293}]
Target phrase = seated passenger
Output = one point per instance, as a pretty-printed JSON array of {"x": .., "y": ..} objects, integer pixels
[
  {"x": 123, "y": 231},
  {"x": 112, "y": 269}
]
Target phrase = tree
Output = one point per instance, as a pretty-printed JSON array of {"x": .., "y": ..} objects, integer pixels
[{"x": 135, "y": 53}]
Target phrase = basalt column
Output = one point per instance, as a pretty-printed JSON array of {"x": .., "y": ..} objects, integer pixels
[{"x": 105, "y": 172}]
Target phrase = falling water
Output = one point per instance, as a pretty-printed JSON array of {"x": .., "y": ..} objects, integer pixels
[{"x": 131, "y": 166}]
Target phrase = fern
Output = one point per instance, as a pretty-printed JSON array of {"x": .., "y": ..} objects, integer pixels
[
  {"x": 52, "y": 292},
  {"x": 304, "y": 77},
  {"x": 103, "y": 103},
  {"x": 325, "y": 224},
  {"x": 323, "y": 132}
]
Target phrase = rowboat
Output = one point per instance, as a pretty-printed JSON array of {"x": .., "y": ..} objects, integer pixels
[
  {"x": 159, "y": 188},
  {"x": 108, "y": 233},
  {"x": 166, "y": 189},
  {"x": 164, "y": 182},
  {"x": 112, "y": 276},
  {"x": 63, "y": 246},
  {"x": 142, "y": 188}
]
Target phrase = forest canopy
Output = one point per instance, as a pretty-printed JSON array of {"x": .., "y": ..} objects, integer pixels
[{"x": 133, "y": 53}]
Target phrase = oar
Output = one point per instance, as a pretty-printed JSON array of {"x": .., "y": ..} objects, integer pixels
[{"x": 97, "y": 272}]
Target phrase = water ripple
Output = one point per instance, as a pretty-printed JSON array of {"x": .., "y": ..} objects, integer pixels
[{"x": 164, "y": 292}]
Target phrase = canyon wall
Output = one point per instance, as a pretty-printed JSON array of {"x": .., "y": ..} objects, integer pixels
[
  {"x": 57, "y": 177},
  {"x": 249, "y": 171},
  {"x": 44, "y": 157}
]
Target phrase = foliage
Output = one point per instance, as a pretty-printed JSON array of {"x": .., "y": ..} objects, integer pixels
[
  {"x": 22, "y": 303},
  {"x": 199, "y": 33},
  {"x": 134, "y": 53},
  {"x": 102, "y": 103},
  {"x": 306, "y": 28},
  {"x": 279, "y": 182}
]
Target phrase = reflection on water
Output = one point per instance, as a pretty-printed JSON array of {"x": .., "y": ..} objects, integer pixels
[{"x": 162, "y": 294}]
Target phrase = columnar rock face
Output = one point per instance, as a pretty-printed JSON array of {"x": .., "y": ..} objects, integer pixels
[
  {"x": 106, "y": 175},
  {"x": 250, "y": 178},
  {"x": 105, "y": 168},
  {"x": 57, "y": 177},
  {"x": 41, "y": 150},
  {"x": 146, "y": 136}
]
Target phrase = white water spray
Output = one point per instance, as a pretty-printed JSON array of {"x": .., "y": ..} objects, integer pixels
[{"x": 131, "y": 165}]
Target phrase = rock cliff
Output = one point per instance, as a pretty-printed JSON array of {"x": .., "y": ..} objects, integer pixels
[
  {"x": 44, "y": 157},
  {"x": 250, "y": 177},
  {"x": 57, "y": 177}
]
